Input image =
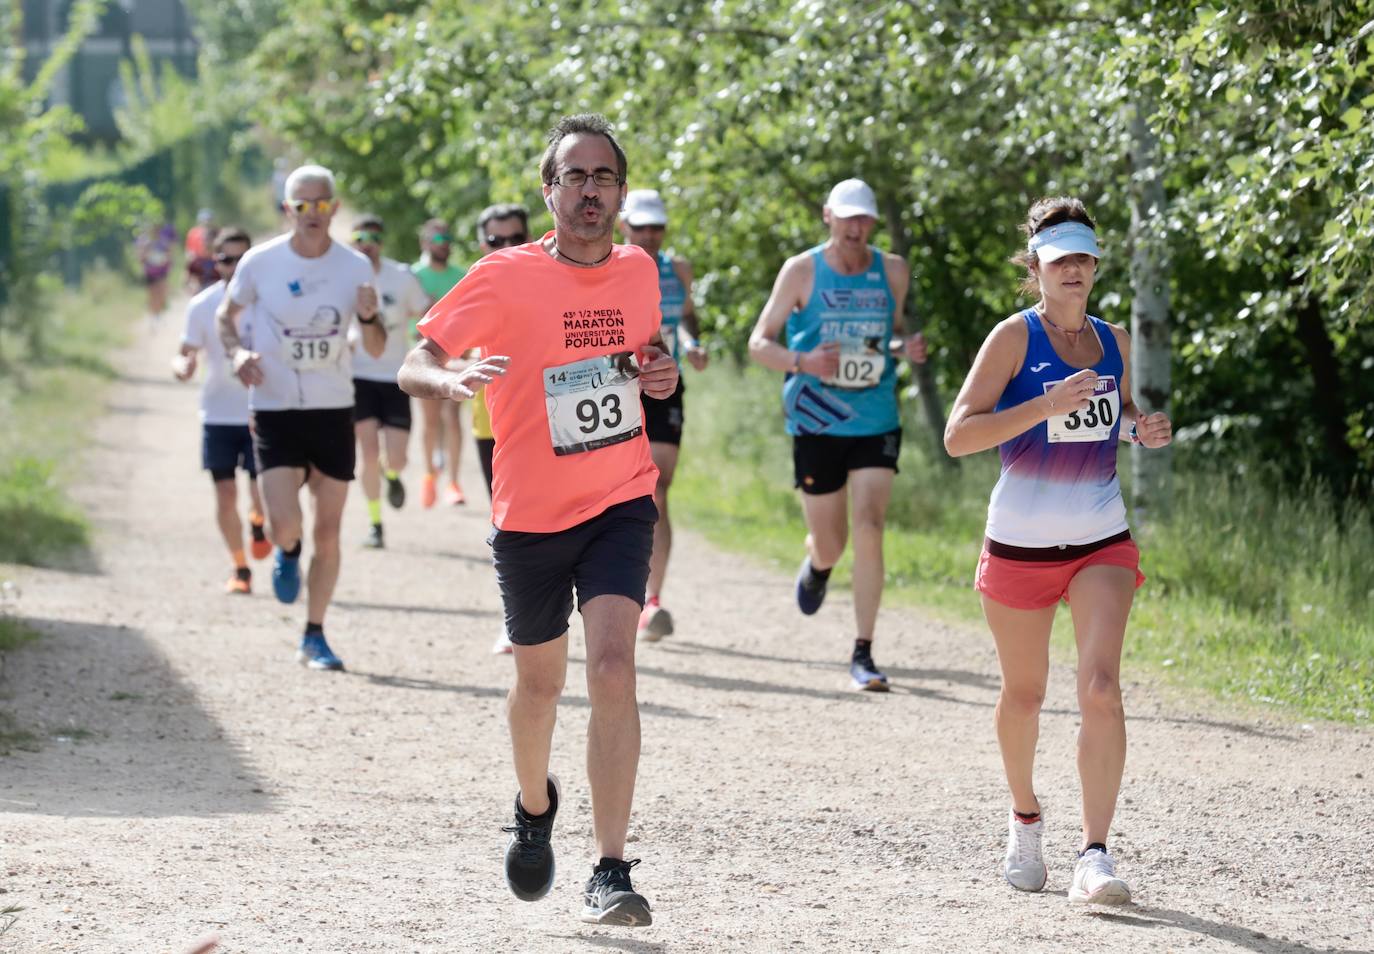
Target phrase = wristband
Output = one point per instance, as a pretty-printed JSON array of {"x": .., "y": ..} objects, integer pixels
[
  {"x": 366, "y": 321},
  {"x": 693, "y": 343},
  {"x": 796, "y": 362},
  {"x": 1135, "y": 438}
]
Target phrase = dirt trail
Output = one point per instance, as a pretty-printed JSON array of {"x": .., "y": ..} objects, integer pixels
[{"x": 194, "y": 779}]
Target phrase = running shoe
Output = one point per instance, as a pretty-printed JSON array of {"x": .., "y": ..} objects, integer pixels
[
  {"x": 314, "y": 653},
  {"x": 865, "y": 673},
  {"x": 261, "y": 547},
  {"x": 609, "y": 898},
  {"x": 454, "y": 495},
  {"x": 655, "y": 622},
  {"x": 374, "y": 539},
  {"x": 286, "y": 576},
  {"x": 1095, "y": 880},
  {"x": 240, "y": 583},
  {"x": 810, "y": 589},
  {"x": 395, "y": 492},
  {"x": 427, "y": 491},
  {"x": 1024, "y": 865},
  {"x": 529, "y": 856},
  {"x": 503, "y": 645}
]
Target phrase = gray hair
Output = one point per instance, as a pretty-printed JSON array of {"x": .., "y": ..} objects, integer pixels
[{"x": 304, "y": 174}]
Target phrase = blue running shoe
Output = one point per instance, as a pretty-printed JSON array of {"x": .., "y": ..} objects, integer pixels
[
  {"x": 315, "y": 653},
  {"x": 286, "y": 576},
  {"x": 810, "y": 589},
  {"x": 865, "y": 673}
]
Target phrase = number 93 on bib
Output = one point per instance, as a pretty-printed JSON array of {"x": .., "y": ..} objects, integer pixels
[
  {"x": 1092, "y": 423},
  {"x": 593, "y": 403}
]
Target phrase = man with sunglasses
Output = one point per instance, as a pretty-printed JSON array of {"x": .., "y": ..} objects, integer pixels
[
  {"x": 306, "y": 292},
  {"x": 568, "y": 330},
  {"x": 381, "y": 410},
  {"x": 226, "y": 446},
  {"x": 644, "y": 222},
  {"x": 443, "y": 426}
]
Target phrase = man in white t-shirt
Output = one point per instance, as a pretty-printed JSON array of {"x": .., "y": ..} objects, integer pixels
[
  {"x": 381, "y": 410},
  {"x": 226, "y": 446},
  {"x": 306, "y": 292}
]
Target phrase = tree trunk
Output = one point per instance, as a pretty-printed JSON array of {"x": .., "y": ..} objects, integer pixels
[
  {"x": 1150, "y": 350},
  {"x": 1328, "y": 397},
  {"x": 924, "y": 373}
]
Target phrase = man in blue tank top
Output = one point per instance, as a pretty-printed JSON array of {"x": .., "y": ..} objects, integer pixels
[
  {"x": 644, "y": 222},
  {"x": 840, "y": 305}
]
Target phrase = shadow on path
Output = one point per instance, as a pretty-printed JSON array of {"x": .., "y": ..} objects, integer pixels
[
  {"x": 121, "y": 734},
  {"x": 1145, "y": 918},
  {"x": 412, "y": 608}
]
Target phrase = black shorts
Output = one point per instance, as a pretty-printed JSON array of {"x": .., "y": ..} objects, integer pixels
[
  {"x": 321, "y": 439},
  {"x": 663, "y": 419},
  {"x": 226, "y": 448},
  {"x": 382, "y": 400},
  {"x": 821, "y": 463},
  {"x": 537, "y": 572}
]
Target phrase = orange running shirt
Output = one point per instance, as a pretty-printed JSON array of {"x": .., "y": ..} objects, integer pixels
[{"x": 566, "y": 415}]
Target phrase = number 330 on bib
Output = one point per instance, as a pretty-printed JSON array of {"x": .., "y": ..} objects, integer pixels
[
  {"x": 1092, "y": 423},
  {"x": 593, "y": 403}
]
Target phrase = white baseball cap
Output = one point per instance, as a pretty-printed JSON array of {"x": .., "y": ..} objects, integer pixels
[
  {"x": 644, "y": 207},
  {"x": 1065, "y": 238},
  {"x": 850, "y": 198}
]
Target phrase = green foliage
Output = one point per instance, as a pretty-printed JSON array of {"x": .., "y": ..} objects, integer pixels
[
  {"x": 39, "y": 522},
  {"x": 743, "y": 112}
]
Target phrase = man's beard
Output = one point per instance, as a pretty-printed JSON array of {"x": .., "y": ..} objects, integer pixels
[
  {"x": 437, "y": 257},
  {"x": 589, "y": 231}
]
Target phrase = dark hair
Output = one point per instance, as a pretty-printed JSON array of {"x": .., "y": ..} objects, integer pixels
[
  {"x": 505, "y": 210},
  {"x": 231, "y": 233},
  {"x": 593, "y": 123},
  {"x": 1050, "y": 210},
  {"x": 432, "y": 228},
  {"x": 366, "y": 219}
]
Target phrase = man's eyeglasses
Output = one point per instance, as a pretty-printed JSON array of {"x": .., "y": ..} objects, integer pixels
[
  {"x": 501, "y": 241},
  {"x": 604, "y": 178},
  {"x": 301, "y": 206},
  {"x": 368, "y": 238},
  {"x": 222, "y": 259}
]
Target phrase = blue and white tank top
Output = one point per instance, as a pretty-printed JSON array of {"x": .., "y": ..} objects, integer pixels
[
  {"x": 856, "y": 311},
  {"x": 672, "y": 301},
  {"x": 1059, "y": 485}
]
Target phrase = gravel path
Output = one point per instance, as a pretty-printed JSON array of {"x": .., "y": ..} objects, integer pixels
[{"x": 192, "y": 779}]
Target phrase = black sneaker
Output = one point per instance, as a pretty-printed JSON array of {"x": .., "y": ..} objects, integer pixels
[
  {"x": 374, "y": 539},
  {"x": 529, "y": 856},
  {"x": 609, "y": 898},
  {"x": 395, "y": 492},
  {"x": 810, "y": 589}
]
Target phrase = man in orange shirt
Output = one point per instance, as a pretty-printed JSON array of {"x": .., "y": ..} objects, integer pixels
[{"x": 569, "y": 328}]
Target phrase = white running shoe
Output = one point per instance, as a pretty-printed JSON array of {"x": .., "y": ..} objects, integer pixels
[
  {"x": 1024, "y": 866},
  {"x": 1095, "y": 880},
  {"x": 503, "y": 644}
]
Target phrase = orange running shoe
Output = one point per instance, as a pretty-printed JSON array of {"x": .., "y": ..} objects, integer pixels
[
  {"x": 240, "y": 583},
  {"x": 261, "y": 547},
  {"x": 454, "y": 495},
  {"x": 427, "y": 491}
]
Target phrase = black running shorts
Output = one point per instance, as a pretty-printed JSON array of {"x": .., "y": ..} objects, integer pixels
[
  {"x": 383, "y": 401},
  {"x": 821, "y": 464},
  {"x": 320, "y": 439},
  {"x": 225, "y": 449},
  {"x": 607, "y": 555},
  {"x": 663, "y": 419}
]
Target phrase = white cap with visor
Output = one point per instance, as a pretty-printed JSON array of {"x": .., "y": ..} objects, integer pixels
[
  {"x": 644, "y": 207},
  {"x": 1065, "y": 238},
  {"x": 850, "y": 198}
]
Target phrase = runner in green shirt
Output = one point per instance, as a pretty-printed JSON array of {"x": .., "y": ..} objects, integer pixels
[{"x": 437, "y": 275}]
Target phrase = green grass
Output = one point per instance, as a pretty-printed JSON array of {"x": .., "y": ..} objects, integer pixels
[
  {"x": 49, "y": 404},
  {"x": 14, "y": 634},
  {"x": 1254, "y": 592}
]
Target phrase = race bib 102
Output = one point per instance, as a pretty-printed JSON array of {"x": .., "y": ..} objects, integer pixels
[
  {"x": 1092, "y": 423},
  {"x": 859, "y": 368},
  {"x": 593, "y": 403}
]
